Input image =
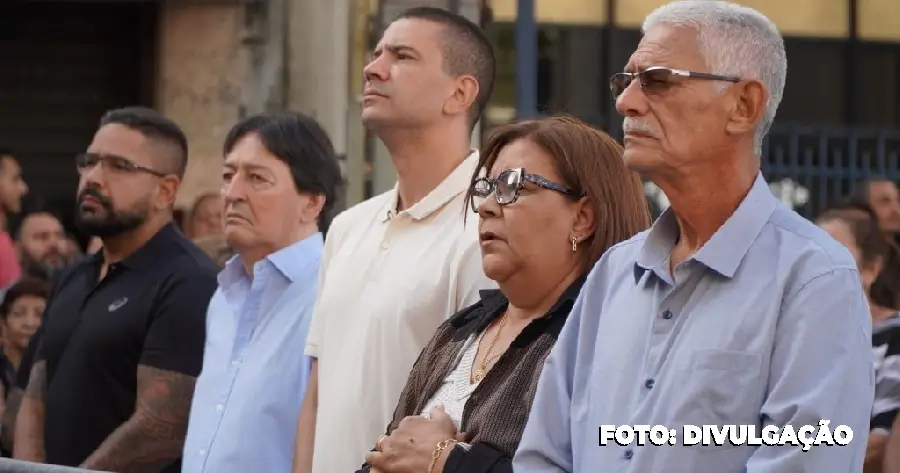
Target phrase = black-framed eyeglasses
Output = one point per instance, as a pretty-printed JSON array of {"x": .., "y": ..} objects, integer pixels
[
  {"x": 655, "y": 80},
  {"x": 508, "y": 185},
  {"x": 84, "y": 162}
]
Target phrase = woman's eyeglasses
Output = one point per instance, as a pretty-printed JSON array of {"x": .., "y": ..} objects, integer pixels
[
  {"x": 655, "y": 80},
  {"x": 508, "y": 185}
]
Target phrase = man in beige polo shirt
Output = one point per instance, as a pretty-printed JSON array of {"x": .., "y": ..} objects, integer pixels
[{"x": 396, "y": 266}]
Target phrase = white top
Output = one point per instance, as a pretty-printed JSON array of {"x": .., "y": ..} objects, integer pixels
[
  {"x": 456, "y": 389},
  {"x": 387, "y": 280}
]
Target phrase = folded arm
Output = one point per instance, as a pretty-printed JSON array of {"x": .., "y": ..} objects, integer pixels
[
  {"x": 29, "y": 436},
  {"x": 153, "y": 437}
]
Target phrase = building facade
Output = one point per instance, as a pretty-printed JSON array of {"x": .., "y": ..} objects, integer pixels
[{"x": 206, "y": 63}]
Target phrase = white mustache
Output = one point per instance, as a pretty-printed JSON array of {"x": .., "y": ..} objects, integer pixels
[{"x": 631, "y": 125}]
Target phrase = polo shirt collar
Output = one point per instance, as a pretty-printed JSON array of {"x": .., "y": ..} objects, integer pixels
[
  {"x": 726, "y": 249},
  {"x": 147, "y": 255},
  {"x": 453, "y": 185}
]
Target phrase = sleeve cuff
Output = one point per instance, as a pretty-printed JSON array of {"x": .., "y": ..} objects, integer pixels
[{"x": 455, "y": 459}]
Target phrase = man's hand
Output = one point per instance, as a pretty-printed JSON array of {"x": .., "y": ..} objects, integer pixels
[
  {"x": 153, "y": 437},
  {"x": 875, "y": 449},
  {"x": 409, "y": 447}
]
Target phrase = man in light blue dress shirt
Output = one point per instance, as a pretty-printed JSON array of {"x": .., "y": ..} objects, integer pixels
[
  {"x": 280, "y": 181},
  {"x": 732, "y": 310}
]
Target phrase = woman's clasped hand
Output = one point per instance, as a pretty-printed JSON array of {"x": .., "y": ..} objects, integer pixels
[{"x": 413, "y": 447}]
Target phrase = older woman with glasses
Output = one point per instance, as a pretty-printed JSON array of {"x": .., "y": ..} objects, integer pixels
[{"x": 552, "y": 195}]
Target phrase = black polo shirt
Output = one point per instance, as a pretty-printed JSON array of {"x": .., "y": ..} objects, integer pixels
[{"x": 150, "y": 309}]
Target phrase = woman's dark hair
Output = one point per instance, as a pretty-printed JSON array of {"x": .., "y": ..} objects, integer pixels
[
  {"x": 24, "y": 287},
  {"x": 873, "y": 245},
  {"x": 590, "y": 163}
]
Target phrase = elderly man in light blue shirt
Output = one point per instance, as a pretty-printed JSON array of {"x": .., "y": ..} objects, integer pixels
[
  {"x": 280, "y": 181},
  {"x": 732, "y": 309}
]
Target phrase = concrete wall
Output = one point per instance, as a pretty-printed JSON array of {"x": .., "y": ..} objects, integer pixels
[
  {"x": 202, "y": 67},
  {"x": 199, "y": 83}
]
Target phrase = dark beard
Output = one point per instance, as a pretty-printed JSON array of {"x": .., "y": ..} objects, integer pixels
[
  {"x": 37, "y": 269},
  {"x": 111, "y": 223}
]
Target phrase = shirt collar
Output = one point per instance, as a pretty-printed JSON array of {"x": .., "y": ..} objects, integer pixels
[
  {"x": 147, "y": 255},
  {"x": 477, "y": 317},
  {"x": 726, "y": 249},
  {"x": 289, "y": 261},
  {"x": 456, "y": 183}
]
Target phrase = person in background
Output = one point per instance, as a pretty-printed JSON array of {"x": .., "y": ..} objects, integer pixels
[
  {"x": 398, "y": 265},
  {"x": 45, "y": 252},
  {"x": 475, "y": 380},
  {"x": 882, "y": 196},
  {"x": 12, "y": 189},
  {"x": 732, "y": 309},
  {"x": 20, "y": 317},
  {"x": 856, "y": 227},
  {"x": 21, "y": 312},
  {"x": 123, "y": 331},
  {"x": 73, "y": 252},
  {"x": 217, "y": 248},
  {"x": 205, "y": 224},
  {"x": 280, "y": 177},
  {"x": 206, "y": 217},
  {"x": 43, "y": 246}
]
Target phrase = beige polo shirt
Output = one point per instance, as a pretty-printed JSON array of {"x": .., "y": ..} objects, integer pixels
[{"x": 387, "y": 281}]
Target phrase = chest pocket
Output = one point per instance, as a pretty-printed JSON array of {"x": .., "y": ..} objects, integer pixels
[{"x": 719, "y": 387}]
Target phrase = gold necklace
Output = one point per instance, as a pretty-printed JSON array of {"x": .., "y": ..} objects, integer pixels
[{"x": 479, "y": 373}]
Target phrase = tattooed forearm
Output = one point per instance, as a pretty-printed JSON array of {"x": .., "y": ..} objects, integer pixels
[
  {"x": 37, "y": 382},
  {"x": 29, "y": 433},
  {"x": 8, "y": 430},
  {"x": 154, "y": 436}
]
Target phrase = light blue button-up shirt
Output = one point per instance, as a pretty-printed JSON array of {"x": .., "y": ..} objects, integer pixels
[
  {"x": 766, "y": 325},
  {"x": 244, "y": 413}
]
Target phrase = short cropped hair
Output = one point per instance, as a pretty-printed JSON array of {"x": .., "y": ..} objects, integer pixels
[
  {"x": 467, "y": 51},
  {"x": 154, "y": 126}
]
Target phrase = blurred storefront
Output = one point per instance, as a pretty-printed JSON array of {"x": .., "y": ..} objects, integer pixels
[
  {"x": 204, "y": 63},
  {"x": 839, "y": 120},
  {"x": 844, "y": 57}
]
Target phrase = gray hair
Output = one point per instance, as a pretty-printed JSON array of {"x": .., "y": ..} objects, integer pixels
[{"x": 736, "y": 41}]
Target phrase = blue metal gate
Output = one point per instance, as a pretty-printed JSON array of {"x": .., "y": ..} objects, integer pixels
[{"x": 810, "y": 168}]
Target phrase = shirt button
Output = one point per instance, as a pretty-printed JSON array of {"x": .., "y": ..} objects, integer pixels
[
  {"x": 667, "y": 314},
  {"x": 649, "y": 384},
  {"x": 384, "y": 245},
  {"x": 202, "y": 453},
  {"x": 628, "y": 454},
  {"x": 235, "y": 363},
  {"x": 219, "y": 408}
]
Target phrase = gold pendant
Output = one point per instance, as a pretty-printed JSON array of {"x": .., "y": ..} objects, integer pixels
[{"x": 478, "y": 376}]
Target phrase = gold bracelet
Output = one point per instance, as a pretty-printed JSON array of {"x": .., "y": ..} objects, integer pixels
[{"x": 437, "y": 453}]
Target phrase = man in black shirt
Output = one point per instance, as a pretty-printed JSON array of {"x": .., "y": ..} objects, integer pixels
[{"x": 122, "y": 340}]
